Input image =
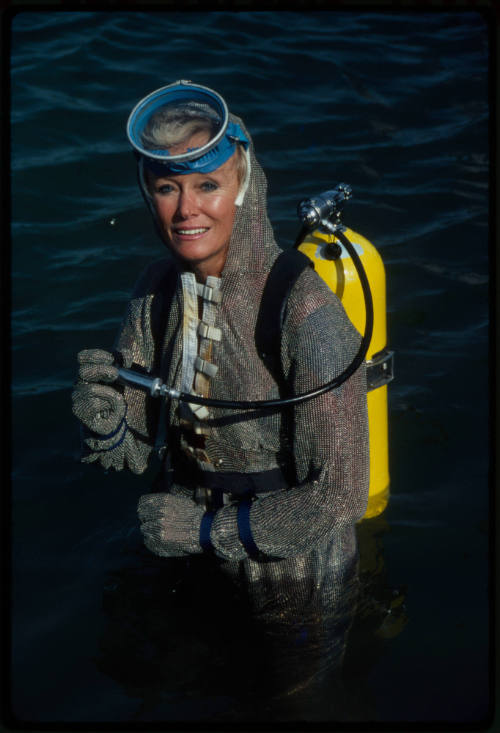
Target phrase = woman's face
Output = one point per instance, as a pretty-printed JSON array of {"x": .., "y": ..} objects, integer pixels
[{"x": 196, "y": 213}]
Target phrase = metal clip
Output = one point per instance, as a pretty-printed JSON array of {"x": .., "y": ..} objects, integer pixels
[
  {"x": 380, "y": 369},
  {"x": 201, "y": 495}
]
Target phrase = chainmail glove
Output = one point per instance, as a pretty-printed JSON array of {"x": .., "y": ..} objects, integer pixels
[
  {"x": 102, "y": 411},
  {"x": 170, "y": 524},
  {"x": 96, "y": 365},
  {"x": 99, "y": 407}
]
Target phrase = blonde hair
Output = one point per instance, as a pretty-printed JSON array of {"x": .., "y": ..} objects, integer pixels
[
  {"x": 241, "y": 162},
  {"x": 175, "y": 127}
]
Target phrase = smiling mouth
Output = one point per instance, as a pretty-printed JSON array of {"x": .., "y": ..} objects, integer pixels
[{"x": 191, "y": 232}]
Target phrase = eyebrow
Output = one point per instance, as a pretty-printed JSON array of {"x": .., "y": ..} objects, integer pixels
[{"x": 213, "y": 174}]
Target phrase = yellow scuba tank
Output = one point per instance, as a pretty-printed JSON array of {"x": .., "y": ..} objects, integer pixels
[{"x": 341, "y": 276}]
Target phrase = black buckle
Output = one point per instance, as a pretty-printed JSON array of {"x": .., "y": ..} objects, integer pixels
[{"x": 380, "y": 369}]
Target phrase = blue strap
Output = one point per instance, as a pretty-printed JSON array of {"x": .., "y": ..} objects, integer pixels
[
  {"x": 244, "y": 530},
  {"x": 205, "y": 527},
  {"x": 119, "y": 442},
  {"x": 115, "y": 432},
  {"x": 85, "y": 431},
  {"x": 99, "y": 436}
]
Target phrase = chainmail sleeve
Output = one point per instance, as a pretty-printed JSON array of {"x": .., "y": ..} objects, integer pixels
[
  {"x": 139, "y": 344},
  {"x": 150, "y": 309},
  {"x": 329, "y": 435}
]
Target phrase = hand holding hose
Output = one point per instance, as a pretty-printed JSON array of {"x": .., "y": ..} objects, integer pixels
[
  {"x": 99, "y": 406},
  {"x": 102, "y": 410}
]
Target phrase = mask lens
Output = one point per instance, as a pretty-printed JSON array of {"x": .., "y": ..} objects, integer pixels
[{"x": 178, "y": 123}]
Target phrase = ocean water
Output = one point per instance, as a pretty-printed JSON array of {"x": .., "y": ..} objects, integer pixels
[{"x": 396, "y": 105}]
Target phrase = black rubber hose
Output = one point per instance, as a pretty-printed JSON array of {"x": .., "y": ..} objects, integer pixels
[
  {"x": 334, "y": 383},
  {"x": 300, "y": 236}
]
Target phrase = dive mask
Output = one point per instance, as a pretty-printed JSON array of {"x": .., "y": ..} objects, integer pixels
[{"x": 190, "y": 101}]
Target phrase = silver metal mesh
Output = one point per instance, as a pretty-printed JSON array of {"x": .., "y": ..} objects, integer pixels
[{"x": 306, "y": 532}]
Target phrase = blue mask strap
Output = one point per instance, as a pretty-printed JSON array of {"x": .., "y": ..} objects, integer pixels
[{"x": 207, "y": 163}]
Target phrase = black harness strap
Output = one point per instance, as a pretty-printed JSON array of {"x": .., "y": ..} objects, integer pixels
[
  {"x": 162, "y": 302},
  {"x": 287, "y": 268},
  {"x": 283, "y": 275},
  {"x": 229, "y": 482}
]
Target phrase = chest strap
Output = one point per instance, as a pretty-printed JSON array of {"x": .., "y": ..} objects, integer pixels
[{"x": 238, "y": 484}]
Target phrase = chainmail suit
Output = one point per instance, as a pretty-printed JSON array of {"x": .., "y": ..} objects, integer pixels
[{"x": 306, "y": 533}]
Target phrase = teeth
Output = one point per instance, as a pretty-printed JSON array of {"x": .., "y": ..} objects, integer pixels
[{"x": 191, "y": 231}]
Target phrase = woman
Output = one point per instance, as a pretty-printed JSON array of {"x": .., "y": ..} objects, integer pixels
[{"x": 191, "y": 320}]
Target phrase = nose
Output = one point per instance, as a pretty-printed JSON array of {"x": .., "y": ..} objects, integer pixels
[{"x": 187, "y": 204}]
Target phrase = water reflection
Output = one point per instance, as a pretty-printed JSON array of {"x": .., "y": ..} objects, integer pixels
[
  {"x": 380, "y": 617},
  {"x": 196, "y": 639}
]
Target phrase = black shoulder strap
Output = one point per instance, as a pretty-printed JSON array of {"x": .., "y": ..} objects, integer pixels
[
  {"x": 162, "y": 302},
  {"x": 284, "y": 273}
]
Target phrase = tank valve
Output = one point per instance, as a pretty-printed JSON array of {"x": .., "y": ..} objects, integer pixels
[{"x": 326, "y": 206}]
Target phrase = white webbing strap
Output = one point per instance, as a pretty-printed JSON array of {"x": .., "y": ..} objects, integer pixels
[
  {"x": 200, "y": 411},
  {"x": 209, "y": 332},
  {"x": 189, "y": 330},
  {"x": 208, "y": 293},
  {"x": 205, "y": 367}
]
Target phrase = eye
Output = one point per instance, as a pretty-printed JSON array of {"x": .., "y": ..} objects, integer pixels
[
  {"x": 164, "y": 189},
  {"x": 209, "y": 186}
]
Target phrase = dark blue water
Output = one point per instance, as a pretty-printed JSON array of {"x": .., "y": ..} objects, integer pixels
[{"x": 395, "y": 104}]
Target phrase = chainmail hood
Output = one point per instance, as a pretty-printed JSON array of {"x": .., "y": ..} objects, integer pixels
[{"x": 251, "y": 221}]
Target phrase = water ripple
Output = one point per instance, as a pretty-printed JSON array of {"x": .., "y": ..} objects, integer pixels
[{"x": 395, "y": 103}]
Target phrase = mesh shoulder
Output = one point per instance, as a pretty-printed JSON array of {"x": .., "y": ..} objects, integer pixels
[
  {"x": 317, "y": 330},
  {"x": 308, "y": 294}
]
